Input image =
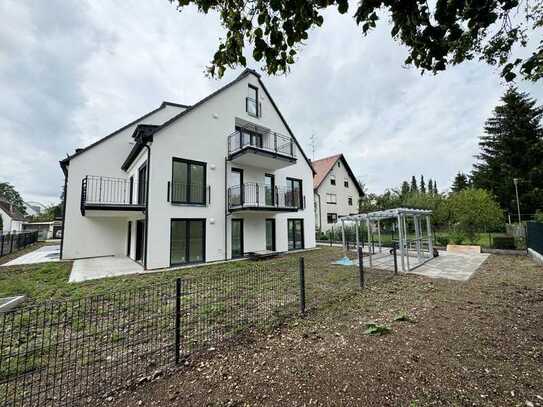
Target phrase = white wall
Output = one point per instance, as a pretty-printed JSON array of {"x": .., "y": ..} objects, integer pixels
[
  {"x": 201, "y": 135},
  {"x": 341, "y": 208},
  {"x": 87, "y": 236},
  {"x": 10, "y": 225}
]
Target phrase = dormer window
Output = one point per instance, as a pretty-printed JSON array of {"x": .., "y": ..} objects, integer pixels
[{"x": 251, "y": 103}]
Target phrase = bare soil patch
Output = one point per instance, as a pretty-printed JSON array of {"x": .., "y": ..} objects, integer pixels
[{"x": 466, "y": 343}]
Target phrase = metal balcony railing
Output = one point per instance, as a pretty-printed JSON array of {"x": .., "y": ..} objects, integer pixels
[
  {"x": 272, "y": 142},
  {"x": 99, "y": 190},
  {"x": 189, "y": 194},
  {"x": 254, "y": 195}
]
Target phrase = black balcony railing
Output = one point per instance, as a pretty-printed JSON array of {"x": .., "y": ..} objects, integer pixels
[
  {"x": 272, "y": 142},
  {"x": 189, "y": 194},
  {"x": 254, "y": 195},
  {"x": 108, "y": 191}
]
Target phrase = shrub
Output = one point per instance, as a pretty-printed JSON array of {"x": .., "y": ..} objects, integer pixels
[
  {"x": 457, "y": 237},
  {"x": 442, "y": 240},
  {"x": 504, "y": 242},
  {"x": 539, "y": 215}
]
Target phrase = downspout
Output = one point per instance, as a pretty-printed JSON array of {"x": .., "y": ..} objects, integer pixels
[
  {"x": 148, "y": 176},
  {"x": 64, "y": 212}
]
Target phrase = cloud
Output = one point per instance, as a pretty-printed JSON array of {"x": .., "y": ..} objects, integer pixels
[{"x": 72, "y": 72}]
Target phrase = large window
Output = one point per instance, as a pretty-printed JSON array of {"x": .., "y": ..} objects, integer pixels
[
  {"x": 142, "y": 184},
  {"x": 251, "y": 103},
  {"x": 237, "y": 238},
  {"x": 294, "y": 193},
  {"x": 331, "y": 217},
  {"x": 269, "y": 185},
  {"x": 188, "y": 182},
  {"x": 331, "y": 198},
  {"x": 249, "y": 138},
  {"x": 295, "y": 234},
  {"x": 187, "y": 241}
]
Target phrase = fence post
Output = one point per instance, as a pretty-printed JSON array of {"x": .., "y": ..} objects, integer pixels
[
  {"x": 11, "y": 243},
  {"x": 302, "y": 285},
  {"x": 394, "y": 253},
  {"x": 2, "y": 245},
  {"x": 177, "y": 320},
  {"x": 361, "y": 266}
]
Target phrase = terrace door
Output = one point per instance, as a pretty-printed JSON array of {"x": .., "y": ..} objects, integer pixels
[
  {"x": 295, "y": 234},
  {"x": 140, "y": 236},
  {"x": 270, "y": 235},
  {"x": 187, "y": 244},
  {"x": 237, "y": 238}
]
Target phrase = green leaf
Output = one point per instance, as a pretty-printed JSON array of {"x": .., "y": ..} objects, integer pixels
[{"x": 376, "y": 329}]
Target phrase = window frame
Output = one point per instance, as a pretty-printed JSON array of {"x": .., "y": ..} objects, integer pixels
[
  {"x": 189, "y": 200},
  {"x": 291, "y": 180},
  {"x": 334, "y": 216},
  {"x": 187, "y": 235},
  {"x": 332, "y": 179},
  {"x": 346, "y": 183},
  {"x": 330, "y": 195},
  {"x": 248, "y": 98},
  {"x": 350, "y": 201}
]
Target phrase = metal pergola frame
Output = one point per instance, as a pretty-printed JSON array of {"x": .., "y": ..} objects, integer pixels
[{"x": 401, "y": 216}]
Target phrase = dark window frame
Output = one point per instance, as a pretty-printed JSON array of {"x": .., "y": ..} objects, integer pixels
[
  {"x": 274, "y": 234},
  {"x": 188, "y": 183},
  {"x": 291, "y": 179},
  {"x": 346, "y": 184},
  {"x": 332, "y": 216},
  {"x": 272, "y": 177},
  {"x": 330, "y": 202},
  {"x": 289, "y": 220},
  {"x": 350, "y": 201},
  {"x": 253, "y": 136},
  {"x": 242, "y": 238},
  {"x": 142, "y": 186},
  {"x": 257, "y": 107},
  {"x": 187, "y": 235}
]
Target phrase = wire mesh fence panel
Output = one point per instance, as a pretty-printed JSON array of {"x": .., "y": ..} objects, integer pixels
[
  {"x": 60, "y": 352},
  {"x": 12, "y": 242}
]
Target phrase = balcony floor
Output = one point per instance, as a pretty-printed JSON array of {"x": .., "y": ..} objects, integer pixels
[
  {"x": 257, "y": 208},
  {"x": 261, "y": 158},
  {"x": 114, "y": 210}
]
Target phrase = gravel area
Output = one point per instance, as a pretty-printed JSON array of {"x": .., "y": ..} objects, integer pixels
[{"x": 450, "y": 343}]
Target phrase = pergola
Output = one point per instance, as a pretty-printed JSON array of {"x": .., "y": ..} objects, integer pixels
[{"x": 420, "y": 246}]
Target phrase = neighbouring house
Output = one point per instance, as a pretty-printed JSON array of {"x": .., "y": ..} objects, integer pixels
[
  {"x": 34, "y": 208},
  {"x": 337, "y": 191},
  {"x": 12, "y": 219},
  {"x": 191, "y": 184}
]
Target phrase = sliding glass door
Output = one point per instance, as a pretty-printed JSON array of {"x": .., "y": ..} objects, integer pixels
[
  {"x": 295, "y": 234},
  {"x": 187, "y": 241}
]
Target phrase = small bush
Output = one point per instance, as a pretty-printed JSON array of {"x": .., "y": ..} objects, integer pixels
[
  {"x": 457, "y": 237},
  {"x": 504, "y": 242},
  {"x": 442, "y": 240}
]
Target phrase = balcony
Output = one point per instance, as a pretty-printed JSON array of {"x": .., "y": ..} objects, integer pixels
[
  {"x": 268, "y": 150},
  {"x": 258, "y": 197},
  {"x": 107, "y": 196}
]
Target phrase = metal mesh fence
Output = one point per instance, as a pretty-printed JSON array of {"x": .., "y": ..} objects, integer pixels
[
  {"x": 63, "y": 353},
  {"x": 11, "y": 242}
]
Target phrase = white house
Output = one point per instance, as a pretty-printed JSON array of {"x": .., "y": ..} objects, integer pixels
[
  {"x": 337, "y": 191},
  {"x": 191, "y": 184},
  {"x": 12, "y": 220}
]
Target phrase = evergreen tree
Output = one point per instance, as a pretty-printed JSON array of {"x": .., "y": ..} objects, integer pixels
[
  {"x": 435, "y": 188},
  {"x": 512, "y": 147},
  {"x": 414, "y": 187},
  {"x": 460, "y": 182},
  {"x": 404, "y": 191},
  {"x": 422, "y": 185}
]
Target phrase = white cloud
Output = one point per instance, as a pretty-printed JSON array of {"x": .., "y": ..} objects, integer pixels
[{"x": 72, "y": 72}]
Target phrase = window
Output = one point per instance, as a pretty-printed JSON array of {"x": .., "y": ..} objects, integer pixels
[
  {"x": 339, "y": 164},
  {"x": 350, "y": 201},
  {"x": 249, "y": 138},
  {"x": 269, "y": 189},
  {"x": 346, "y": 183},
  {"x": 188, "y": 182},
  {"x": 237, "y": 238},
  {"x": 251, "y": 103},
  {"x": 332, "y": 179},
  {"x": 331, "y": 198},
  {"x": 294, "y": 193},
  {"x": 295, "y": 234},
  {"x": 142, "y": 184},
  {"x": 331, "y": 217},
  {"x": 187, "y": 244}
]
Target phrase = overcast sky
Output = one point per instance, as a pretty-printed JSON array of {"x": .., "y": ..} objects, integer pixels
[{"x": 73, "y": 71}]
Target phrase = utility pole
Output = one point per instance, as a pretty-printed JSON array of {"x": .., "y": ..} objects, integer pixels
[{"x": 515, "y": 181}]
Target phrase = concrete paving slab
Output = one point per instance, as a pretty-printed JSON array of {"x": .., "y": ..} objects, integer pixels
[
  {"x": 42, "y": 255},
  {"x": 100, "y": 267},
  {"x": 452, "y": 266}
]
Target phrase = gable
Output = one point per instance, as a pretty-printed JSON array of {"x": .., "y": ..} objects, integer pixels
[{"x": 324, "y": 167}]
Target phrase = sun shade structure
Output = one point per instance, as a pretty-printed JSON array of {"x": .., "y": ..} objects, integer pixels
[{"x": 414, "y": 249}]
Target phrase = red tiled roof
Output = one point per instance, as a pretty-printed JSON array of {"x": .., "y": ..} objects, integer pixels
[{"x": 322, "y": 167}]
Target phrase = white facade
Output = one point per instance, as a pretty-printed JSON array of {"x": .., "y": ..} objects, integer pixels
[
  {"x": 10, "y": 224},
  {"x": 337, "y": 195},
  {"x": 200, "y": 135}
]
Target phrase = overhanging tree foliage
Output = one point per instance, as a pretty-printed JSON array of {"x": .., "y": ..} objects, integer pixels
[
  {"x": 9, "y": 194},
  {"x": 437, "y": 34},
  {"x": 512, "y": 147}
]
